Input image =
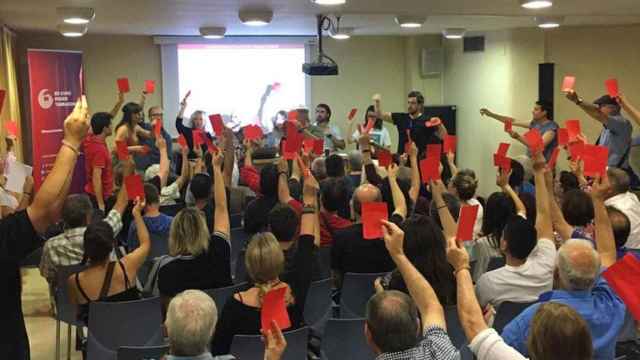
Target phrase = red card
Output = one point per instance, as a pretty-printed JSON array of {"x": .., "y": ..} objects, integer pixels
[
  {"x": 318, "y": 146},
  {"x": 217, "y": 124},
  {"x": 183, "y": 141},
  {"x": 430, "y": 169},
  {"x": 122, "y": 150},
  {"x": 157, "y": 128},
  {"x": 568, "y": 83},
  {"x": 274, "y": 307},
  {"x": 576, "y": 150},
  {"x": 534, "y": 139},
  {"x": 573, "y": 129},
  {"x": 434, "y": 121},
  {"x": 197, "y": 138},
  {"x": 434, "y": 150},
  {"x": 134, "y": 186},
  {"x": 210, "y": 147},
  {"x": 12, "y": 128},
  {"x": 503, "y": 162},
  {"x": 503, "y": 148},
  {"x": 554, "y": 158},
  {"x": 123, "y": 85},
  {"x": 372, "y": 214},
  {"x": 149, "y": 86},
  {"x": 370, "y": 122},
  {"x": 508, "y": 125},
  {"x": 352, "y": 114},
  {"x": 595, "y": 160},
  {"x": 449, "y": 144},
  {"x": 253, "y": 132},
  {"x": 612, "y": 88},
  {"x": 623, "y": 277},
  {"x": 384, "y": 157},
  {"x": 293, "y": 115},
  {"x": 466, "y": 222},
  {"x": 2, "y": 95},
  {"x": 308, "y": 144},
  {"x": 563, "y": 137}
]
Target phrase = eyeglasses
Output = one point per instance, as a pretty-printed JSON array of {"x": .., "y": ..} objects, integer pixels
[{"x": 157, "y": 115}]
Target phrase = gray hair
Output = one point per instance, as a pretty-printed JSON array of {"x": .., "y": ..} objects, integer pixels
[
  {"x": 191, "y": 319},
  {"x": 578, "y": 265},
  {"x": 195, "y": 114},
  {"x": 355, "y": 160},
  {"x": 619, "y": 179}
]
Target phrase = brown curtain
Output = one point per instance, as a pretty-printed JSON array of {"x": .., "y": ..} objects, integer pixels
[{"x": 9, "y": 82}]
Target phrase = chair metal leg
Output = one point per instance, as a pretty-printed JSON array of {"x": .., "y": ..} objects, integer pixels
[
  {"x": 68, "y": 341},
  {"x": 57, "y": 339}
]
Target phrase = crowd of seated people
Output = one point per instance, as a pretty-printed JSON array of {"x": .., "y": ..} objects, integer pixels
[{"x": 543, "y": 242}]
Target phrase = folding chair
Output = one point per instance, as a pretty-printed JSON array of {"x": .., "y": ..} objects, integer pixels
[
  {"x": 317, "y": 308},
  {"x": 142, "y": 352},
  {"x": 221, "y": 295},
  {"x": 252, "y": 347},
  {"x": 356, "y": 291},
  {"x": 66, "y": 312},
  {"x": 506, "y": 312},
  {"x": 345, "y": 339}
]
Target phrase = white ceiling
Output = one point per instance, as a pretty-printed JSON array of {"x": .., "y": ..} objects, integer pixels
[{"x": 296, "y": 17}]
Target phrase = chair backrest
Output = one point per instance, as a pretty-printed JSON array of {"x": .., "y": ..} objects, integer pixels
[
  {"x": 356, "y": 291},
  {"x": 221, "y": 295},
  {"x": 324, "y": 258},
  {"x": 496, "y": 263},
  {"x": 318, "y": 302},
  {"x": 159, "y": 245},
  {"x": 239, "y": 241},
  {"x": 454, "y": 328},
  {"x": 240, "y": 275},
  {"x": 235, "y": 220},
  {"x": 345, "y": 339},
  {"x": 116, "y": 324},
  {"x": 172, "y": 210},
  {"x": 252, "y": 347},
  {"x": 65, "y": 310},
  {"x": 142, "y": 352},
  {"x": 506, "y": 312}
]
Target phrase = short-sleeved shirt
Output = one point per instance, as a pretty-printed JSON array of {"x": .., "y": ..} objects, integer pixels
[
  {"x": 379, "y": 137},
  {"x": 616, "y": 135},
  {"x": 96, "y": 155},
  {"x": 522, "y": 283},
  {"x": 420, "y": 133},
  {"x": 488, "y": 345},
  {"x": 335, "y": 133},
  {"x": 18, "y": 239},
  {"x": 435, "y": 345},
  {"x": 209, "y": 270},
  {"x": 543, "y": 128},
  {"x": 600, "y": 307}
]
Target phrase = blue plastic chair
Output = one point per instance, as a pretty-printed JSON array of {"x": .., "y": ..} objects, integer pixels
[
  {"x": 142, "y": 352},
  {"x": 345, "y": 339},
  {"x": 113, "y": 325},
  {"x": 221, "y": 295},
  {"x": 356, "y": 291},
  {"x": 506, "y": 312},
  {"x": 317, "y": 308},
  {"x": 252, "y": 347}
]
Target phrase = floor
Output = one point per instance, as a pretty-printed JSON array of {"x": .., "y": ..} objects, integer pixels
[{"x": 41, "y": 326}]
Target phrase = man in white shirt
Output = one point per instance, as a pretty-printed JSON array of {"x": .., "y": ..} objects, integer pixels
[
  {"x": 530, "y": 257},
  {"x": 622, "y": 199},
  {"x": 333, "y": 139}
]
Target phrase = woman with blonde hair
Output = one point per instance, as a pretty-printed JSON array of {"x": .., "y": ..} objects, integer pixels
[
  {"x": 265, "y": 263},
  {"x": 198, "y": 260}
]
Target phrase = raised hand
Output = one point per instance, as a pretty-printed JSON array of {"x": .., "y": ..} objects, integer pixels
[
  {"x": 485, "y": 112},
  {"x": 137, "y": 207},
  {"x": 274, "y": 342},
  {"x": 76, "y": 125},
  {"x": 457, "y": 255},
  {"x": 393, "y": 238},
  {"x": 392, "y": 171},
  {"x": 161, "y": 143},
  {"x": 217, "y": 159},
  {"x": 600, "y": 188},
  {"x": 572, "y": 96},
  {"x": 502, "y": 178}
]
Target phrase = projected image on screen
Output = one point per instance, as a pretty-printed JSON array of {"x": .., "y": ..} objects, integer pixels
[{"x": 233, "y": 80}]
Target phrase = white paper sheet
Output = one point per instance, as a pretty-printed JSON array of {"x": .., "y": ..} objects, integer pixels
[{"x": 16, "y": 174}]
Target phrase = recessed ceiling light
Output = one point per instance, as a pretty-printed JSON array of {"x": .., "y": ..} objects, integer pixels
[
  {"x": 72, "y": 30},
  {"x": 329, "y": 2},
  {"x": 342, "y": 33},
  {"x": 72, "y": 15},
  {"x": 548, "y": 22},
  {"x": 212, "y": 32},
  {"x": 410, "y": 21},
  {"x": 454, "y": 33},
  {"x": 536, "y": 4},
  {"x": 256, "y": 17}
]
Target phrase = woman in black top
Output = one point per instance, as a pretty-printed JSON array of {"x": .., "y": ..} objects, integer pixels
[
  {"x": 265, "y": 262},
  {"x": 197, "y": 123},
  {"x": 102, "y": 280},
  {"x": 199, "y": 261}
]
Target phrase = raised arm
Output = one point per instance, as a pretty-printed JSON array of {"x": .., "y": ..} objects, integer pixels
[
  {"x": 503, "y": 183},
  {"x": 560, "y": 225},
  {"x": 502, "y": 118},
  {"x": 118, "y": 105},
  {"x": 377, "y": 104},
  {"x": 451, "y": 157},
  {"x": 136, "y": 258},
  {"x": 284, "y": 196},
  {"x": 449, "y": 225},
  {"x": 163, "y": 173},
  {"x": 311, "y": 224},
  {"x": 588, "y": 108},
  {"x": 122, "y": 200},
  {"x": 229, "y": 156},
  {"x": 56, "y": 185},
  {"x": 431, "y": 311},
  {"x": 543, "y": 217},
  {"x": 350, "y": 131},
  {"x": 399, "y": 202},
  {"x": 414, "y": 191},
  {"x": 629, "y": 108},
  {"x": 577, "y": 168},
  {"x": 605, "y": 243},
  {"x": 185, "y": 171},
  {"x": 221, "y": 221},
  {"x": 469, "y": 310}
]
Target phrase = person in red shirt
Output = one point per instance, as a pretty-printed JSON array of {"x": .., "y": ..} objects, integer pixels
[{"x": 99, "y": 170}]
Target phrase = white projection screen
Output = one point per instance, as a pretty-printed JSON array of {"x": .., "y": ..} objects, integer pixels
[{"x": 231, "y": 78}]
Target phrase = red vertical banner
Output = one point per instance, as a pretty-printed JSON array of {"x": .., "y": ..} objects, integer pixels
[{"x": 55, "y": 83}]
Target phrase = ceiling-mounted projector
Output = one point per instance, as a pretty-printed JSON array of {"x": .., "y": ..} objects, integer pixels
[{"x": 324, "y": 65}]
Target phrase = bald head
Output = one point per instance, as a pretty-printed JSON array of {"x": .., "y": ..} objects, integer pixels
[
  {"x": 365, "y": 193},
  {"x": 392, "y": 322},
  {"x": 578, "y": 264}
]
